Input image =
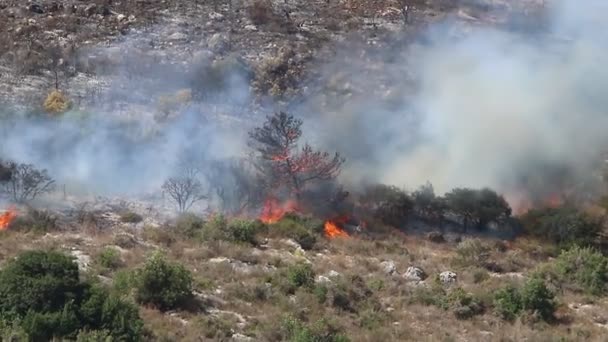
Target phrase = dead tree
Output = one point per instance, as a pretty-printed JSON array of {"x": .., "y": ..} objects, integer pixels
[
  {"x": 26, "y": 182},
  {"x": 185, "y": 189},
  {"x": 279, "y": 160}
]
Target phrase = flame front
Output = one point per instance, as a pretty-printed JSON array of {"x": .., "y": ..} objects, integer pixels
[
  {"x": 7, "y": 218},
  {"x": 273, "y": 210},
  {"x": 332, "y": 227}
]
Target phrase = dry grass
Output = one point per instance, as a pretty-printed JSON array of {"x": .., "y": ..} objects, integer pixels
[{"x": 56, "y": 103}]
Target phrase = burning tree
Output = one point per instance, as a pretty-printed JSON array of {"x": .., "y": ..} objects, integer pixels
[
  {"x": 281, "y": 163},
  {"x": 185, "y": 189},
  {"x": 23, "y": 182}
]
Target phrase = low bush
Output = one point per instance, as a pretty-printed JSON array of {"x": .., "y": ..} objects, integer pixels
[
  {"x": 472, "y": 252},
  {"x": 38, "y": 221},
  {"x": 301, "y": 230},
  {"x": 189, "y": 225},
  {"x": 56, "y": 102},
  {"x": 300, "y": 275},
  {"x": 244, "y": 231},
  {"x": 41, "y": 292},
  {"x": 322, "y": 330},
  {"x": 163, "y": 284},
  {"x": 260, "y": 12},
  {"x": 130, "y": 217},
  {"x": 507, "y": 302},
  {"x": 109, "y": 258},
  {"x": 583, "y": 268}
]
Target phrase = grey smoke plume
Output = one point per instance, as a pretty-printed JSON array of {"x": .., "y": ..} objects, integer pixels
[
  {"x": 492, "y": 107},
  {"x": 503, "y": 108}
]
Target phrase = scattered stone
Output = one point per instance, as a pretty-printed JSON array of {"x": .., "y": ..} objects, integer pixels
[
  {"x": 322, "y": 280},
  {"x": 35, "y": 8},
  {"x": 333, "y": 274},
  {"x": 82, "y": 259},
  {"x": 217, "y": 43},
  {"x": 414, "y": 273},
  {"x": 90, "y": 10},
  {"x": 177, "y": 36},
  {"x": 241, "y": 338},
  {"x": 436, "y": 237},
  {"x": 219, "y": 260},
  {"x": 250, "y": 27},
  {"x": 389, "y": 267},
  {"x": 447, "y": 277},
  {"x": 121, "y": 17},
  {"x": 216, "y": 16}
]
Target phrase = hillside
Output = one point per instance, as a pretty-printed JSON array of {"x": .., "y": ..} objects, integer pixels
[{"x": 306, "y": 171}]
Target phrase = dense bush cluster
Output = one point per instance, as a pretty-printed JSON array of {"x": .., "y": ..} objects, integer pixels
[
  {"x": 582, "y": 268},
  {"x": 295, "y": 330},
  {"x": 563, "y": 225},
  {"x": 467, "y": 207},
  {"x": 534, "y": 297},
  {"x": 41, "y": 294}
]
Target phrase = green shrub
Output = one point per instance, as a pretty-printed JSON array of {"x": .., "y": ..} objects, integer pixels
[
  {"x": 300, "y": 275},
  {"x": 93, "y": 336},
  {"x": 38, "y": 281},
  {"x": 322, "y": 330},
  {"x": 42, "y": 292},
  {"x": 163, "y": 284},
  {"x": 535, "y": 297},
  {"x": 109, "y": 258},
  {"x": 244, "y": 231},
  {"x": 463, "y": 304},
  {"x": 130, "y": 217},
  {"x": 301, "y": 230},
  {"x": 563, "y": 226},
  {"x": 472, "y": 252},
  {"x": 508, "y": 303},
  {"x": 189, "y": 225},
  {"x": 586, "y": 269}
]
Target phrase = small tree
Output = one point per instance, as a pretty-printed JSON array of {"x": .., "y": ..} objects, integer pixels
[
  {"x": 26, "y": 182},
  {"x": 185, "y": 189},
  {"x": 479, "y": 207},
  {"x": 279, "y": 160}
]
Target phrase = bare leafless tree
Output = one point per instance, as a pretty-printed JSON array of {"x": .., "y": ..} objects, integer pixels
[
  {"x": 279, "y": 160},
  {"x": 185, "y": 189},
  {"x": 26, "y": 182}
]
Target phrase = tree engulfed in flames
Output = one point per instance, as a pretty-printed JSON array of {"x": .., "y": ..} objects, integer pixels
[
  {"x": 332, "y": 227},
  {"x": 7, "y": 217},
  {"x": 274, "y": 210}
]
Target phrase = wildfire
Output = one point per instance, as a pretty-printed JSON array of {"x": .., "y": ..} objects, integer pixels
[
  {"x": 332, "y": 227},
  {"x": 7, "y": 217},
  {"x": 274, "y": 210}
]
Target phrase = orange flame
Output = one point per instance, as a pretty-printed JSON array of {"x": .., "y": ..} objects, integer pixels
[
  {"x": 7, "y": 218},
  {"x": 273, "y": 210},
  {"x": 332, "y": 227}
]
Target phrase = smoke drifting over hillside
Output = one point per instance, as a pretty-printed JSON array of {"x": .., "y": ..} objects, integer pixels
[
  {"x": 492, "y": 107},
  {"x": 512, "y": 110}
]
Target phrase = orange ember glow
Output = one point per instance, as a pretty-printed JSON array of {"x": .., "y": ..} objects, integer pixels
[
  {"x": 332, "y": 227},
  {"x": 273, "y": 210},
  {"x": 7, "y": 217}
]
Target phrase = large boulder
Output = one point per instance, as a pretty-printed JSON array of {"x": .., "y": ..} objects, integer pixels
[
  {"x": 448, "y": 277},
  {"x": 388, "y": 267},
  {"x": 414, "y": 273}
]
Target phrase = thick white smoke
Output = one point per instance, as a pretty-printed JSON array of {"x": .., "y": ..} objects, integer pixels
[{"x": 492, "y": 107}]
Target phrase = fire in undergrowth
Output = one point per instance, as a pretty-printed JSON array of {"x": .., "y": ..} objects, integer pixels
[
  {"x": 7, "y": 217},
  {"x": 333, "y": 229},
  {"x": 274, "y": 210}
]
